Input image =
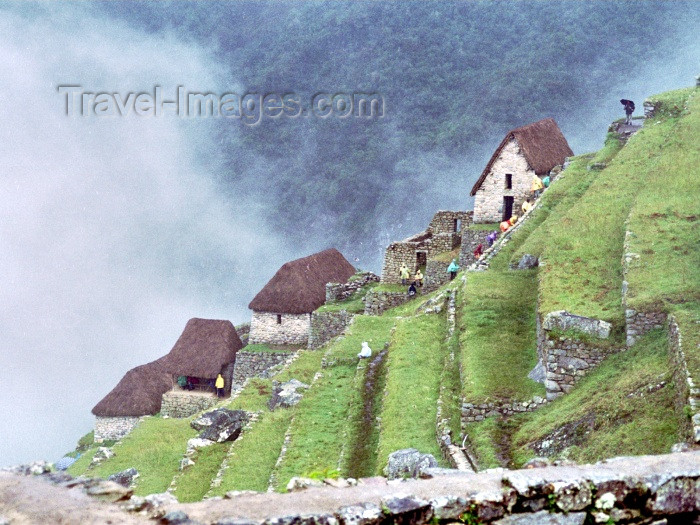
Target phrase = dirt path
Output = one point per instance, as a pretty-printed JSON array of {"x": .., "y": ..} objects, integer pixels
[{"x": 29, "y": 500}]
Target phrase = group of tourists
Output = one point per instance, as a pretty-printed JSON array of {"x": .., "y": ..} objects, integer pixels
[
  {"x": 190, "y": 383},
  {"x": 417, "y": 281}
]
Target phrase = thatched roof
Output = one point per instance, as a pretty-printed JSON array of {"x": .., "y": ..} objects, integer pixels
[
  {"x": 542, "y": 143},
  {"x": 203, "y": 349},
  {"x": 300, "y": 286},
  {"x": 138, "y": 393}
]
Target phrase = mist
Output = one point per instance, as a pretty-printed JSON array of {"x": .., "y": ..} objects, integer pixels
[{"x": 114, "y": 231}]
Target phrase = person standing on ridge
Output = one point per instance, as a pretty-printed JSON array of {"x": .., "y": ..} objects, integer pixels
[
  {"x": 527, "y": 206},
  {"x": 629, "y": 109}
]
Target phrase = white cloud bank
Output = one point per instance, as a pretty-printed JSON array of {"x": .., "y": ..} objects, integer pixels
[{"x": 112, "y": 231}]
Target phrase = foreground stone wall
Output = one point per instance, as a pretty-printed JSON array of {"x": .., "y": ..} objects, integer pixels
[
  {"x": 488, "y": 201},
  {"x": 181, "y": 403},
  {"x": 336, "y": 292},
  {"x": 254, "y": 364},
  {"x": 376, "y": 302},
  {"x": 639, "y": 323},
  {"x": 113, "y": 428},
  {"x": 645, "y": 489},
  {"x": 326, "y": 325},
  {"x": 687, "y": 399},
  {"x": 293, "y": 330}
]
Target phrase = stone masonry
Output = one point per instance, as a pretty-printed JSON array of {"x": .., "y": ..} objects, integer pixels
[
  {"x": 293, "y": 329},
  {"x": 687, "y": 400},
  {"x": 435, "y": 274},
  {"x": 113, "y": 428},
  {"x": 479, "y": 411},
  {"x": 376, "y": 302},
  {"x": 254, "y": 364},
  {"x": 182, "y": 403},
  {"x": 336, "y": 292},
  {"x": 470, "y": 240},
  {"x": 488, "y": 201},
  {"x": 326, "y": 325},
  {"x": 442, "y": 235}
]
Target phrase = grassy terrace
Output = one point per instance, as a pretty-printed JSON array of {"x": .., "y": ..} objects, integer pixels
[
  {"x": 253, "y": 456},
  {"x": 582, "y": 244},
  {"x": 154, "y": 448},
  {"x": 318, "y": 430},
  {"x": 497, "y": 341},
  {"x": 664, "y": 220},
  {"x": 624, "y": 420},
  {"x": 414, "y": 366},
  {"x": 627, "y": 419}
]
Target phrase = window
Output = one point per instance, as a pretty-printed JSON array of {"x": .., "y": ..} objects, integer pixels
[
  {"x": 509, "y": 181},
  {"x": 458, "y": 225},
  {"x": 279, "y": 318}
]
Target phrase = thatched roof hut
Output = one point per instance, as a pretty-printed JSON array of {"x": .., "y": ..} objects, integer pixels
[
  {"x": 542, "y": 143},
  {"x": 299, "y": 286},
  {"x": 205, "y": 347},
  {"x": 138, "y": 393}
]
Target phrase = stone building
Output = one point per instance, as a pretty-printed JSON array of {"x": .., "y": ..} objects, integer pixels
[
  {"x": 506, "y": 181},
  {"x": 205, "y": 349},
  {"x": 138, "y": 394},
  {"x": 282, "y": 309},
  {"x": 442, "y": 235}
]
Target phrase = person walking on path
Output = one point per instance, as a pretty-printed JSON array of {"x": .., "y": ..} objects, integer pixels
[
  {"x": 412, "y": 289},
  {"x": 453, "y": 268},
  {"x": 527, "y": 206},
  {"x": 629, "y": 109},
  {"x": 403, "y": 272},
  {"x": 536, "y": 186},
  {"x": 219, "y": 386},
  {"x": 546, "y": 181},
  {"x": 479, "y": 251}
]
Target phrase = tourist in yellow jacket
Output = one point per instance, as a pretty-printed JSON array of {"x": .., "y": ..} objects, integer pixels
[
  {"x": 219, "y": 386},
  {"x": 419, "y": 278},
  {"x": 536, "y": 186},
  {"x": 527, "y": 206}
]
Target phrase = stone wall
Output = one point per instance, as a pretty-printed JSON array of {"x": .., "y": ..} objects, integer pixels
[
  {"x": 687, "y": 400},
  {"x": 182, "y": 403},
  {"x": 396, "y": 255},
  {"x": 376, "y": 302},
  {"x": 470, "y": 240},
  {"x": 254, "y": 364},
  {"x": 567, "y": 360},
  {"x": 243, "y": 332},
  {"x": 293, "y": 330},
  {"x": 488, "y": 201},
  {"x": 656, "y": 490},
  {"x": 113, "y": 428},
  {"x": 336, "y": 292},
  {"x": 472, "y": 412},
  {"x": 435, "y": 274},
  {"x": 639, "y": 323},
  {"x": 326, "y": 325},
  {"x": 443, "y": 222}
]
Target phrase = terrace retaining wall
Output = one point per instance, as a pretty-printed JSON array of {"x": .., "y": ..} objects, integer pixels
[
  {"x": 255, "y": 364},
  {"x": 326, "y": 325}
]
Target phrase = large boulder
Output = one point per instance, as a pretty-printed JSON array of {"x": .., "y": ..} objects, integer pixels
[
  {"x": 125, "y": 478},
  {"x": 408, "y": 463},
  {"x": 221, "y": 424},
  {"x": 528, "y": 261},
  {"x": 286, "y": 394},
  {"x": 538, "y": 374},
  {"x": 563, "y": 320}
]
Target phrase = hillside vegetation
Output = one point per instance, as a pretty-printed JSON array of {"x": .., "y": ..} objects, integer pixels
[{"x": 354, "y": 415}]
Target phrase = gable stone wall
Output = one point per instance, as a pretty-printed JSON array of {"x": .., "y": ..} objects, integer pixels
[
  {"x": 293, "y": 330},
  {"x": 488, "y": 201}
]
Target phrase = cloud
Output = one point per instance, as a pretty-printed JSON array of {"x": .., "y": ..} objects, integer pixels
[{"x": 112, "y": 230}]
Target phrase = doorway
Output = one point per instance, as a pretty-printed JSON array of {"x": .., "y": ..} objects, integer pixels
[{"x": 507, "y": 208}]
